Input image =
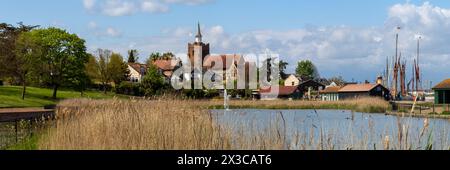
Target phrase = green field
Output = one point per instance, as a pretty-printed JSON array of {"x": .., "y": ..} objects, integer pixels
[{"x": 10, "y": 96}]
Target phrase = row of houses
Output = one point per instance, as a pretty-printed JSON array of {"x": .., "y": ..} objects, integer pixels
[{"x": 295, "y": 88}]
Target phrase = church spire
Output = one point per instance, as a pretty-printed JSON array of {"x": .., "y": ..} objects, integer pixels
[{"x": 198, "y": 37}]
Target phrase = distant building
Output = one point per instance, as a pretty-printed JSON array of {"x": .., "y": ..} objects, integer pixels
[
  {"x": 167, "y": 67},
  {"x": 292, "y": 80},
  {"x": 279, "y": 92},
  {"x": 442, "y": 92},
  {"x": 330, "y": 93},
  {"x": 137, "y": 72},
  {"x": 353, "y": 91},
  {"x": 310, "y": 89}
]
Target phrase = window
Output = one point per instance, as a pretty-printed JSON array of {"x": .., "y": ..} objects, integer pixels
[{"x": 293, "y": 83}]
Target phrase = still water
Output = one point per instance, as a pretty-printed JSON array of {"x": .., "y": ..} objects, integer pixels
[{"x": 344, "y": 129}]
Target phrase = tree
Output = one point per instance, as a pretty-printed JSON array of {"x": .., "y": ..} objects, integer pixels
[
  {"x": 306, "y": 69},
  {"x": 27, "y": 51},
  {"x": 63, "y": 56},
  {"x": 167, "y": 56},
  {"x": 133, "y": 56},
  {"x": 118, "y": 69},
  {"x": 10, "y": 64},
  {"x": 92, "y": 70},
  {"x": 338, "y": 80},
  {"x": 104, "y": 58},
  {"x": 153, "y": 81},
  {"x": 154, "y": 56}
]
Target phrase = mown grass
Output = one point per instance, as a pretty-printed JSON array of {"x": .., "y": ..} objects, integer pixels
[{"x": 10, "y": 96}]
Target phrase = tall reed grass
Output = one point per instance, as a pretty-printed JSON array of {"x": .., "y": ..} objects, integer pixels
[{"x": 116, "y": 124}]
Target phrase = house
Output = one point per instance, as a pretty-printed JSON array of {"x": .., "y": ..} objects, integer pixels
[
  {"x": 352, "y": 91},
  {"x": 167, "y": 67},
  {"x": 229, "y": 64},
  {"x": 442, "y": 92},
  {"x": 292, "y": 80},
  {"x": 310, "y": 89},
  {"x": 330, "y": 93},
  {"x": 137, "y": 72},
  {"x": 279, "y": 92}
]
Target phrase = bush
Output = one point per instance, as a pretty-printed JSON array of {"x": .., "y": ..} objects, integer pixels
[
  {"x": 446, "y": 113},
  {"x": 129, "y": 88}
]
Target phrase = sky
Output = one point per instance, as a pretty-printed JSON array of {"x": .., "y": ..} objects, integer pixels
[{"x": 349, "y": 38}]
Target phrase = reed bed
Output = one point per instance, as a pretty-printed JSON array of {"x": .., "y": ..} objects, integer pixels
[
  {"x": 116, "y": 124},
  {"x": 366, "y": 105}
]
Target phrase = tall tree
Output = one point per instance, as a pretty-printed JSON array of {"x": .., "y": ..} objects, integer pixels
[
  {"x": 10, "y": 64},
  {"x": 104, "y": 58},
  {"x": 27, "y": 53},
  {"x": 92, "y": 68},
  {"x": 306, "y": 69},
  {"x": 63, "y": 56},
  {"x": 118, "y": 69},
  {"x": 133, "y": 56}
]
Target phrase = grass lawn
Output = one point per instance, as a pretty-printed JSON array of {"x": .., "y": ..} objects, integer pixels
[{"x": 10, "y": 96}]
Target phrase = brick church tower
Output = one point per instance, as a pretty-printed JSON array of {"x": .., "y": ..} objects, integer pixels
[{"x": 198, "y": 50}]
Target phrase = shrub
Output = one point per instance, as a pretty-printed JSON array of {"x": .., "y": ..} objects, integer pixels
[{"x": 446, "y": 113}]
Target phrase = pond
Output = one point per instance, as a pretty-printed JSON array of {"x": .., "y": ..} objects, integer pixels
[{"x": 338, "y": 129}]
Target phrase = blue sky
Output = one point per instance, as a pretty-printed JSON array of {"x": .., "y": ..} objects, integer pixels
[{"x": 351, "y": 38}]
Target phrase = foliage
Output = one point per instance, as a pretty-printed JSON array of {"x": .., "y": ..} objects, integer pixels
[
  {"x": 10, "y": 64},
  {"x": 129, "y": 88},
  {"x": 62, "y": 59},
  {"x": 306, "y": 69},
  {"x": 118, "y": 69},
  {"x": 133, "y": 56},
  {"x": 153, "y": 82}
]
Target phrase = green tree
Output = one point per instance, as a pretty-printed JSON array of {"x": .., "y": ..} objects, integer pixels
[
  {"x": 153, "y": 81},
  {"x": 154, "y": 56},
  {"x": 27, "y": 51},
  {"x": 306, "y": 69},
  {"x": 92, "y": 70},
  {"x": 133, "y": 56},
  {"x": 10, "y": 64},
  {"x": 104, "y": 58},
  {"x": 63, "y": 56},
  {"x": 118, "y": 69}
]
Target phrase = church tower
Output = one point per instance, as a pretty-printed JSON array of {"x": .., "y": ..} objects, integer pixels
[{"x": 198, "y": 50}]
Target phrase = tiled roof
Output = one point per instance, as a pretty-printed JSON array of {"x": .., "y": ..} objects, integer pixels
[
  {"x": 137, "y": 67},
  {"x": 166, "y": 65},
  {"x": 334, "y": 89},
  {"x": 443, "y": 85},
  {"x": 282, "y": 90},
  {"x": 358, "y": 87}
]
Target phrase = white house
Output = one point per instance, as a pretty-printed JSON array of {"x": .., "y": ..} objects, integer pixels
[
  {"x": 137, "y": 71},
  {"x": 292, "y": 80}
]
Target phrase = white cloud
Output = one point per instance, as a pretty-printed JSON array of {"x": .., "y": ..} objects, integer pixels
[
  {"x": 103, "y": 32},
  {"x": 128, "y": 7},
  {"x": 89, "y": 4},
  {"x": 118, "y": 7},
  {"x": 154, "y": 7},
  {"x": 112, "y": 32}
]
